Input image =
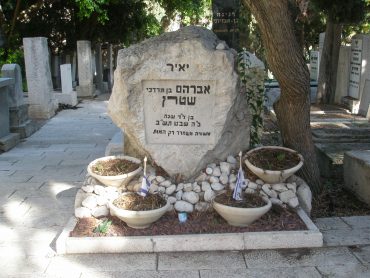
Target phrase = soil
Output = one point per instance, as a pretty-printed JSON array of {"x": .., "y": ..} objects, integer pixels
[
  {"x": 114, "y": 167},
  {"x": 277, "y": 219},
  {"x": 273, "y": 159},
  {"x": 136, "y": 202},
  {"x": 249, "y": 201}
]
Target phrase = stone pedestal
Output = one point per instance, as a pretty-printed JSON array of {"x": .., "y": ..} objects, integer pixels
[
  {"x": 40, "y": 89},
  {"x": 7, "y": 140},
  {"x": 85, "y": 87},
  {"x": 18, "y": 110},
  {"x": 67, "y": 96}
]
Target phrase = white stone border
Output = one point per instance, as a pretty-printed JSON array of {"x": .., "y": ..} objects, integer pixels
[{"x": 193, "y": 242}]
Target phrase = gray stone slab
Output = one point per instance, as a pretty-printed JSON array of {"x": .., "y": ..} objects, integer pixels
[
  {"x": 96, "y": 262},
  {"x": 200, "y": 260},
  {"x": 331, "y": 223},
  {"x": 22, "y": 265},
  {"x": 358, "y": 222},
  {"x": 144, "y": 274},
  {"x": 291, "y": 272},
  {"x": 351, "y": 270},
  {"x": 346, "y": 237},
  {"x": 299, "y": 257},
  {"x": 363, "y": 254}
]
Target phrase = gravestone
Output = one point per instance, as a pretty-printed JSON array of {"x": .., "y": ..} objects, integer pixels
[
  {"x": 42, "y": 104},
  {"x": 225, "y": 21},
  {"x": 314, "y": 65},
  {"x": 67, "y": 96},
  {"x": 341, "y": 89},
  {"x": 321, "y": 43},
  {"x": 85, "y": 86},
  {"x": 110, "y": 67},
  {"x": 99, "y": 68},
  {"x": 176, "y": 97},
  {"x": 18, "y": 110},
  {"x": 359, "y": 75},
  {"x": 7, "y": 140}
]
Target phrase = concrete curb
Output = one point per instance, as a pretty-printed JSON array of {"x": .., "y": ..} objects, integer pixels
[{"x": 194, "y": 242}]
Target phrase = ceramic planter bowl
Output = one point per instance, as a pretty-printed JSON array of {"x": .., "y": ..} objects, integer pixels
[
  {"x": 119, "y": 180},
  {"x": 270, "y": 176},
  {"x": 241, "y": 217},
  {"x": 138, "y": 219}
]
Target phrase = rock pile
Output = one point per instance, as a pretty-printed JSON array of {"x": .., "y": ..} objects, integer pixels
[{"x": 197, "y": 195}]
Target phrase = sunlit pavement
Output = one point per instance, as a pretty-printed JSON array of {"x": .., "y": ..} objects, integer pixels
[{"x": 38, "y": 182}]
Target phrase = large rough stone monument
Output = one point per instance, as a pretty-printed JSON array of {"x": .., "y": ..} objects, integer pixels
[{"x": 177, "y": 99}]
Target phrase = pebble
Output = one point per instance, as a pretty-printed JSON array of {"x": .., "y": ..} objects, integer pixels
[
  {"x": 232, "y": 178},
  {"x": 88, "y": 188},
  {"x": 272, "y": 194},
  {"x": 205, "y": 186},
  {"x": 279, "y": 187},
  {"x": 231, "y": 159},
  {"x": 224, "y": 179},
  {"x": 250, "y": 191},
  {"x": 244, "y": 185},
  {"x": 293, "y": 202},
  {"x": 276, "y": 201},
  {"x": 209, "y": 170},
  {"x": 209, "y": 195},
  {"x": 252, "y": 185},
  {"x": 263, "y": 194},
  {"x": 165, "y": 183},
  {"x": 137, "y": 187},
  {"x": 201, "y": 177},
  {"x": 179, "y": 195},
  {"x": 217, "y": 186},
  {"x": 260, "y": 182},
  {"x": 90, "y": 202},
  {"x": 216, "y": 171},
  {"x": 225, "y": 168},
  {"x": 305, "y": 197},
  {"x": 201, "y": 196},
  {"x": 99, "y": 190},
  {"x": 196, "y": 188},
  {"x": 179, "y": 187},
  {"x": 266, "y": 188},
  {"x": 100, "y": 211},
  {"x": 170, "y": 208},
  {"x": 212, "y": 165},
  {"x": 171, "y": 189},
  {"x": 151, "y": 178},
  {"x": 214, "y": 179},
  {"x": 292, "y": 186},
  {"x": 101, "y": 201},
  {"x": 161, "y": 189},
  {"x": 82, "y": 212},
  {"x": 190, "y": 197},
  {"x": 188, "y": 187},
  {"x": 160, "y": 179},
  {"x": 232, "y": 186},
  {"x": 172, "y": 199},
  {"x": 153, "y": 188},
  {"x": 286, "y": 196},
  {"x": 202, "y": 206},
  {"x": 183, "y": 206}
]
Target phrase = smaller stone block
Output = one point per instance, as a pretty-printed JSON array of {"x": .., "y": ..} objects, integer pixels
[
  {"x": 67, "y": 98},
  {"x": 9, "y": 141},
  {"x": 357, "y": 173}
]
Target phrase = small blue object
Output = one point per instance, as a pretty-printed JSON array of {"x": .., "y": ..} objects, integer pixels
[{"x": 183, "y": 216}]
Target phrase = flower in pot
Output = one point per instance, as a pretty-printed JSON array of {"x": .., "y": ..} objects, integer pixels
[
  {"x": 273, "y": 164},
  {"x": 114, "y": 170},
  {"x": 239, "y": 210},
  {"x": 140, "y": 210}
]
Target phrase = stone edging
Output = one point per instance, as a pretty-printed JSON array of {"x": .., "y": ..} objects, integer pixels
[{"x": 193, "y": 242}]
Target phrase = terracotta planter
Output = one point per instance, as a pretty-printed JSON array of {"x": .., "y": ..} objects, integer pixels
[
  {"x": 271, "y": 176},
  {"x": 119, "y": 180},
  {"x": 241, "y": 217},
  {"x": 138, "y": 219}
]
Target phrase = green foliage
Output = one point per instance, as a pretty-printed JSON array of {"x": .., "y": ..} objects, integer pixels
[
  {"x": 253, "y": 84},
  {"x": 103, "y": 227}
]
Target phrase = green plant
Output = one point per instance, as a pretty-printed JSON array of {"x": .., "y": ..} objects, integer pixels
[
  {"x": 252, "y": 78},
  {"x": 280, "y": 156},
  {"x": 103, "y": 227}
]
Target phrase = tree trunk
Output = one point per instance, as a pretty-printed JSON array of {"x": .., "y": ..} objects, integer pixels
[
  {"x": 285, "y": 58},
  {"x": 329, "y": 63}
]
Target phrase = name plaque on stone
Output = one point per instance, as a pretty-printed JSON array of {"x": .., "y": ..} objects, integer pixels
[
  {"x": 179, "y": 111},
  {"x": 355, "y": 68}
]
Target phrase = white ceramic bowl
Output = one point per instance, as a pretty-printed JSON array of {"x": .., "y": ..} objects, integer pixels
[
  {"x": 119, "y": 180},
  {"x": 138, "y": 219},
  {"x": 270, "y": 176},
  {"x": 241, "y": 217}
]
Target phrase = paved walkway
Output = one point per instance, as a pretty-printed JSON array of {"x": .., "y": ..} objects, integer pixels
[{"x": 38, "y": 182}]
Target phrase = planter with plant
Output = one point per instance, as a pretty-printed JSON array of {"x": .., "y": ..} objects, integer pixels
[
  {"x": 114, "y": 170},
  {"x": 238, "y": 209},
  {"x": 139, "y": 210},
  {"x": 273, "y": 164}
]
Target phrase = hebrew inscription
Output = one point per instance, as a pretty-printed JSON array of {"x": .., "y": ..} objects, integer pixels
[{"x": 179, "y": 111}]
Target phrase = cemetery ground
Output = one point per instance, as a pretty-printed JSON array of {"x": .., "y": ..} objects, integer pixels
[{"x": 39, "y": 181}]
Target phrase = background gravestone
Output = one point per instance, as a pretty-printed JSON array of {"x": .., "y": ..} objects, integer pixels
[{"x": 177, "y": 99}]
